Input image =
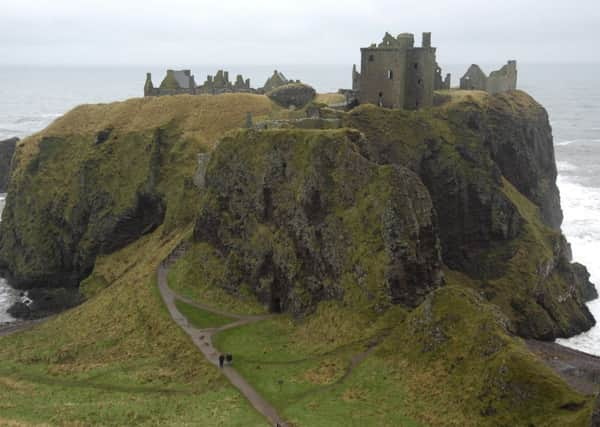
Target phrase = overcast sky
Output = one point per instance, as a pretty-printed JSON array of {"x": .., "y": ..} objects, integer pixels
[{"x": 265, "y": 32}]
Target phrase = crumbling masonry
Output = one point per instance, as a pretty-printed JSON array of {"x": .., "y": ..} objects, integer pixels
[{"x": 501, "y": 80}]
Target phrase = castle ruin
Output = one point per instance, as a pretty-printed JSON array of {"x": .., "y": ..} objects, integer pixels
[
  {"x": 396, "y": 74},
  {"x": 501, "y": 80},
  {"x": 177, "y": 82}
]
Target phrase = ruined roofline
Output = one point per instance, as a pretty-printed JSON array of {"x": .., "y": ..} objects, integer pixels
[{"x": 403, "y": 41}]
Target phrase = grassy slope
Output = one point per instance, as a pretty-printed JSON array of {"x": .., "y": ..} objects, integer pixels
[
  {"x": 120, "y": 348},
  {"x": 448, "y": 363},
  {"x": 201, "y": 319},
  {"x": 118, "y": 359}
]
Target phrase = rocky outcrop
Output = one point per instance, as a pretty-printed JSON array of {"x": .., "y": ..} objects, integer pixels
[
  {"x": 104, "y": 175},
  {"x": 49, "y": 236},
  {"x": 524, "y": 151},
  {"x": 474, "y": 156},
  {"x": 301, "y": 217},
  {"x": 7, "y": 149},
  {"x": 581, "y": 280},
  {"x": 292, "y": 95}
]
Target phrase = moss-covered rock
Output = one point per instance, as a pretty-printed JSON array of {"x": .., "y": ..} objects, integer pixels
[
  {"x": 300, "y": 216},
  {"x": 292, "y": 95},
  {"x": 471, "y": 154},
  {"x": 456, "y": 353},
  {"x": 7, "y": 150},
  {"x": 104, "y": 175}
]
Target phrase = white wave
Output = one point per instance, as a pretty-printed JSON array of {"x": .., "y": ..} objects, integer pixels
[
  {"x": 7, "y": 297},
  {"x": 563, "y": 143},
  {"x": 581, "y": 208},
  {"x": 563, "y": 166}
]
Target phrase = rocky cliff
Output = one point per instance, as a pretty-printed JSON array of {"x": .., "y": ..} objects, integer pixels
[
  {"x": 429, "y": 237},
  {"x": 7, "y": 149},
  {"x": 488, "y": 164},
  {"x": 104, "y": 175},
  {"x": 299, "y": 217},
  {"x": 369, "y": 214}
]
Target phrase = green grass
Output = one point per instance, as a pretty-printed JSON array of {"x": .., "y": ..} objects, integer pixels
[
  {"x": 118, "y": 359},
  {"x": 201, "y": 319},
  {"x": 307, "y": 384},
  {"x": 116, "y": 396}
]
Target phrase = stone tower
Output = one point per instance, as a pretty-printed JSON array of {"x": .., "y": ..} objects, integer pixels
[
  {"x": 396, "y": 74},
  {"x": 148, "y": 86}
]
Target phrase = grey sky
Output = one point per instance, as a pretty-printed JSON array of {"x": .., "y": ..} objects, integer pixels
[{"x": 183, "y": 32}]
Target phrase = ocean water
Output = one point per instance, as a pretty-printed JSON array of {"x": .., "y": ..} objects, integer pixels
[
  {"x": 7, "y": 294},
  {"x": 31, "y": 98}
]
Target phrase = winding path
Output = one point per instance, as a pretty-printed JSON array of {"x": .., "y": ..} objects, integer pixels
[{"x": 202, "y": 338}]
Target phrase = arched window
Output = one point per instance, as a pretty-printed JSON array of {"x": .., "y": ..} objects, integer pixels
[
  {"x": 371, "y": 58},
  {"x": 390, "y": 74}
]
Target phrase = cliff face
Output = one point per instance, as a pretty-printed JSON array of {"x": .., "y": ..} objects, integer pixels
[
  {"x": 7, "y": 149},
  {"x": 102, "y": 176},
  {"x": 300, "y": 217},
  {"x": 369, "y": 214},
  {"x": 488, "y": 164}
]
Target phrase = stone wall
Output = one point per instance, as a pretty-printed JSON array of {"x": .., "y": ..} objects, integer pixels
[
  {"x": 395, "y": 74},
  {"x": 502, "y": 80}
]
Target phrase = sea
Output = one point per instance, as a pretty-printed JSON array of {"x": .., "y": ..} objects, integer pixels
[{"x": 32, "y": 97}]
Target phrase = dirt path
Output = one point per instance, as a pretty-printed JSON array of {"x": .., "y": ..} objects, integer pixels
[{"x": 202, "y": 338}]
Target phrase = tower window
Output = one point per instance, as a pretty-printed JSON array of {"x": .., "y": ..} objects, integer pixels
[
  {"x": 416, "y": 66},
  {"x": 371, "y": 58},
  {"x": 420, "y": 82},
  {"x": 390, "y": 74}
]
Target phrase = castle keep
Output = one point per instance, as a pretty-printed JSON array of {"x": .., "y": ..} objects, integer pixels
[{"x": 396, "y": 74}]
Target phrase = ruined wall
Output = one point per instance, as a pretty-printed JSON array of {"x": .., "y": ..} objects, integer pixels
[
  {"x": 420, "y": 78},
  {"x": 474, "y": 79},
  {"x": 504, "y": 79},
  {"x": 355, "y": 79},
  {"x": 383, "y": 76}
]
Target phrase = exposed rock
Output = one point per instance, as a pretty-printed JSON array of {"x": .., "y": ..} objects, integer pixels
[
  {"x": 301, "y": 217},
  {"x": 103, "y": 135},
  {"x": 19, "y": 310},
  {"x": 582, "y": 282},
  {"x": 294, "y": 94},
  {"x": 471, "y": 155},
  {"x": 7, "y": 149},
  {"x": 50, "y": 237},
  {"x": 199, "y": 177},
  {"x": 524, "y": 151}
]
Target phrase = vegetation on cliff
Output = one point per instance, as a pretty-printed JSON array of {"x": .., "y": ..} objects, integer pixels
[{"x": 349, "y": 231}]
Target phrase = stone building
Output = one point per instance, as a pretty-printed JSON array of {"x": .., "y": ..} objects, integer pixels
[
  {"x": 183, "y": 82},
  {"x": 501, "y": 80},
  {"x": 220, "y": 84},
  {"x": 396, "y": 74},
  {"x": 276, "y": 80},
  {"x": 174, "y": 83}
]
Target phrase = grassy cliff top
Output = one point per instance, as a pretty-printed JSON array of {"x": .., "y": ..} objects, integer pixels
[
  {"x": 203, "y": 118},
  {"x": 517, "y": 101}
]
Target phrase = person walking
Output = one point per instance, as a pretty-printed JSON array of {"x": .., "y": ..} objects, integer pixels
[{"x": 221, "y": 360}]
